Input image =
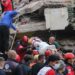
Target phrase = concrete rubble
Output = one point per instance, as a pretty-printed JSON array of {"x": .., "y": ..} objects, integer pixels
[
  {"x": 31, "y": 7},
  {"x": 26, "y": 24}
]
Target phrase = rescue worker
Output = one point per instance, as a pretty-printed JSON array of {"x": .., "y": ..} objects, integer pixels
[
  {"x": 18, "y": 59},
  {"x": 47, "y": 54},
  {"x": 25, "y": 39},
  {"x": 61, "y": 68},
  {"x": 52, "y": 65},
  {"x": 24, "y": 42},
  {"x": 6, "y": 5},
  {"x": 20, "y": 51},
  {"x": 22, "y": 47},
  {"x": 5, "y": 24},
  {"x": 69, "y": 60}
]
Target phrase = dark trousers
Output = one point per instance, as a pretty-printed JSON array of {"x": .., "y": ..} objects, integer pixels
[{"x": 4, "y": 39}]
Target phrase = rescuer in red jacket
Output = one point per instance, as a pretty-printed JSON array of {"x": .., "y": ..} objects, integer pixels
[
  {"x": 69, "y": 60},
  {"x": 20, "y": 51},
  {"x": 22, "y": 47},
  {"x": 52, "y": 65},
  {"x": 6, "y": 5}
]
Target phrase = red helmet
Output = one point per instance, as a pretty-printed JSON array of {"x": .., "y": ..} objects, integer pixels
[
  {"x": 35, "y": 52},
  {"x": 25, "y": 39},
  {"x": 48, "y": 52},
  {"x": 18, "y": 59},
  {"x": 20, "y": 47},
  {"x": 69, "y": 56}
]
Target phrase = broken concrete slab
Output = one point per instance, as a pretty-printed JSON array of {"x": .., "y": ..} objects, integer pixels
[
  {"x": 32, "y": 26},
  {"x": 29, "y": 8}
]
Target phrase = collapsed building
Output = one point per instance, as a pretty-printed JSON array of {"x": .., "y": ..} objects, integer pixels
[
  {"x": 36, "y": 13},
  {"x": 44, "y": 17}
]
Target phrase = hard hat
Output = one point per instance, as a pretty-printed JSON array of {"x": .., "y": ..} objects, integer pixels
[
  {"x": 35, "y": 52},
  {"x": 20, "y": 47},
  {"x": 48, "y": 52},
  {"x": 25, "y": 39},
  {"x": 18, "y": 59},
  {"x": 69, "y": 56}
]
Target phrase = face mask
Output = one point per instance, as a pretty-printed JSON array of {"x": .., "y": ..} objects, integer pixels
[{"x": 56, "y": 66}]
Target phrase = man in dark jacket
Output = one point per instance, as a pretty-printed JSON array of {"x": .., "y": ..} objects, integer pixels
[
  {"x": 35, "y": 69},
  {"x": 11, "y": 66},
  {"x": 26, "y": 65}
]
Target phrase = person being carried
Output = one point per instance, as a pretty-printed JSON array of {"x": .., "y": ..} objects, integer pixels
[{"x": 39, "y": 45}]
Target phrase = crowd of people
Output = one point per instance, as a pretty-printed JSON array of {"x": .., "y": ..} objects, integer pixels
[{"x": 33, "y": 56}]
